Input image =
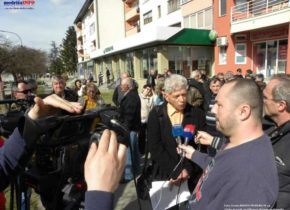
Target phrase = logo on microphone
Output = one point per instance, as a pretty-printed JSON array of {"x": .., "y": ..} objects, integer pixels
[{"x": 188, "y": 132}]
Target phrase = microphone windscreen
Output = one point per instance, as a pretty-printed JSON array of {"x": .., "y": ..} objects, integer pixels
[
  {"x": 177, "y": 130},
  {"x": 188, "y": 131}
]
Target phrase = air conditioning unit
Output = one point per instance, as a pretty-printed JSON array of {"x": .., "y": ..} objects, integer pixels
[{"x": 222, "y": 41}]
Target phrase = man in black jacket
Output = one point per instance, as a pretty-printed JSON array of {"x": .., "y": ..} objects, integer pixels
[
  {"x": 130, "y": 113},
  {"x": 277, "y": 107},
  {"x": 162, "y": 144},
  {"x": 118, "y": 94}
]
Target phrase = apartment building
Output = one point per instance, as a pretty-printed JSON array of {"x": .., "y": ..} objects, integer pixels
[
  {"x": 95, "y": 27},
  {"x": 252, "y": 34},
  {"x": 157, "y": 37}
]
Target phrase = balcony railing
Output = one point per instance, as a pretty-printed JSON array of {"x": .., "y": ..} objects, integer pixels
[{"x": 255, "y": 8}]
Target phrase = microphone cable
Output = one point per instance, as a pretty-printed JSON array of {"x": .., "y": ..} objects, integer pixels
[
  {"x": 126, "y": 132},
  {"x": 170, "y": 176}
]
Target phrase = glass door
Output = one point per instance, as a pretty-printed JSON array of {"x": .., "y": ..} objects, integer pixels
[
  {"x": 282, "y": 56},
  {"x": 271, "y": 58},
  {"x": 260, "y": 58}
]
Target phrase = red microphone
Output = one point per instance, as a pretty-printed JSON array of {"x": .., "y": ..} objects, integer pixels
[{"x": 188, "y": 132}]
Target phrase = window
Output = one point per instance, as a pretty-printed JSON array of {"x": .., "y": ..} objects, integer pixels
[
  {"x": 208, "y": 18},
  {"x": 241, "y": 53},
  {"x": 186, "y": 23},
  {"x": 184, "y": 1},
  {"x": 193, "y": 21},
  {"x": 200, "y": 23},
  {"x": 92, "y": 29},
  {"x": 222, "y": 7},
  {"x": 201, "y": 19},
  {"x": 159, "y": 11},
  {"x": 148, "y": 61},
  {"x": 147, "y": 17},
  {"x": 223, "y": 55},
  {"x": 173, "y": 5}
]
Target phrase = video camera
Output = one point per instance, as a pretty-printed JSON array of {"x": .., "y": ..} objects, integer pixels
[
  {"x": 56, "y": 169},
  {"x": 58, "y": 163},
  {"x": 16, "y": 109}
]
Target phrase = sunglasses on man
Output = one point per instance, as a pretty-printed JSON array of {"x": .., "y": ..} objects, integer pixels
[{"x": 24, "y": 91}]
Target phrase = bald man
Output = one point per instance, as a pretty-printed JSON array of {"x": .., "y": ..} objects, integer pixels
[{"x": 243, "y": 173}]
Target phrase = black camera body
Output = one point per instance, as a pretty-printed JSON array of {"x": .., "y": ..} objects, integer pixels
[
  {"x": 56, "y": 169},
  {"x": 61, "y": 152}
]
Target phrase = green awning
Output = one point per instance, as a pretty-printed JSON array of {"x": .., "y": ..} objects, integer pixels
[{"x": 191, "y": 37}]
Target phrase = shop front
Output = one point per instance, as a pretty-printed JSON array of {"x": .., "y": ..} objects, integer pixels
[
  {"x": 180, "y": 50},
  {"x": 270, "y": 48}
]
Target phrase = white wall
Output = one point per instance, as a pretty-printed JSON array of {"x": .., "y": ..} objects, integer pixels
[
  {"x": 165, "y": 19},
  {"x": 89, "y": 18},
  {"x": 111, "y": 21}
]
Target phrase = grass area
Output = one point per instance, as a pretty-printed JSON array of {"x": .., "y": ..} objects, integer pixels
[{"x": 107, "y": 96}]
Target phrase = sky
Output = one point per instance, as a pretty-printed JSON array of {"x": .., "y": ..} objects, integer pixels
[{"x": 47, "y": 21}]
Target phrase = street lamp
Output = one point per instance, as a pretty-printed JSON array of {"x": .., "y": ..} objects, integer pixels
[{"x": 10, "y": 32}]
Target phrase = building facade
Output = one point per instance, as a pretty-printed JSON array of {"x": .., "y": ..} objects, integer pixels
[
  {"x": 252, "y": 34},
  {"x": 95, "y": 30},
  {"x": 157, "y": 36}
]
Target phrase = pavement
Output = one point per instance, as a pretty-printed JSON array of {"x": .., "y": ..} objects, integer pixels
[{"x": 126, "y": 198}]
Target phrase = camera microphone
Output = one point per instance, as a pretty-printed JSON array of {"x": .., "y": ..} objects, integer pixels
[{"x": 177, "y": 132}]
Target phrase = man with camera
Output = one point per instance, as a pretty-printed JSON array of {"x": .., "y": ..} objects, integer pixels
[
  {"x": 23, "y": 90},
  {"x": 20, "y": 145},
  {"x": 104, "y": 164}
]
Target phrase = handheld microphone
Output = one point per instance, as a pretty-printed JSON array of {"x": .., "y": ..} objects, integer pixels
[
  {"x": 177, "y": 132},
  {"x": 188, "y": 132}
]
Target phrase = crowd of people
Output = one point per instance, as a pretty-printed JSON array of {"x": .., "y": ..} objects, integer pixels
[{"x": 239, "y": 158}]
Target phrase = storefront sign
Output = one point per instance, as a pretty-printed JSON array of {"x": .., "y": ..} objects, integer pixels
[
  {"x": 108, "y": 49},
  {"x": 269, "y": 34}
]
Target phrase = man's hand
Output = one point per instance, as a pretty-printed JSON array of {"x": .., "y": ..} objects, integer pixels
[
  {"x": 187, "y": 150},
  {"x": 203, "y": 138},
  {"x": 51, "y": 105},
  {"x": 182, "y": 177},
  {"x": 105, "y": 164}
]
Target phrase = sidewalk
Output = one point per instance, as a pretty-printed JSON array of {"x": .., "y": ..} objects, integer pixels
[{"x": 126, "y": 198}]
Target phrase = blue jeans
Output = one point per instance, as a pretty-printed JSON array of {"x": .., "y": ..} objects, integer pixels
[{"x": 135, "y": 165}]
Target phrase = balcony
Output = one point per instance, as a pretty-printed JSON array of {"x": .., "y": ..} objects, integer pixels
[
  {"x": 79, "y": 47},
  {"x": 129, "y": 1},
  {"x": 133, "y": 14},
  {"x": 79, "y": 34},
  {"x": 257, "y": 14},
  {"x": 133, "y": 30}
]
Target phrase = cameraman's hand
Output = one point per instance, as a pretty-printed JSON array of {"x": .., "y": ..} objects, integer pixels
[
  {"x": 203, "y": 138},
  {"x": 50, "y": 106},
  {"x": 105, "y": 164}
]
